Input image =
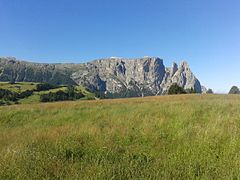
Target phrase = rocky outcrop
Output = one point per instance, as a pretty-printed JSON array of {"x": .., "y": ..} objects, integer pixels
[
  {"x": 135, "y": 77},
  {"x": 182, "y": 76},
  {"x": 115, "y": 77},
  {"x": 13, "y": 70}
]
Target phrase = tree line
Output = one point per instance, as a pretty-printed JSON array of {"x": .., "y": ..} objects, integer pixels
[
  {"x": 175, "y": 89},
  {"x": 70, "y": 94},
  {"x": 7, "y": 95}
]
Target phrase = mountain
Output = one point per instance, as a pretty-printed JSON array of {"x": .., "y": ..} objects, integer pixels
[
  {"x": 21, "y": 71},
  {"x": 114, "y": 77}
]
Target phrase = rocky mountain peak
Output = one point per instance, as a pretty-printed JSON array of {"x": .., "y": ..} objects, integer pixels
[
  {"x": 174, "y": 69},
  {"x": 184, "y": 65},
  {"x": 116, "y": 77}
]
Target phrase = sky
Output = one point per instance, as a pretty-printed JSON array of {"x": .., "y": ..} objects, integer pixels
[{"x": 206, "y": 33}]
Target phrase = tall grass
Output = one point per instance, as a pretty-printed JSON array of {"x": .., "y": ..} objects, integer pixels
[{"x": 170, "y": 137}]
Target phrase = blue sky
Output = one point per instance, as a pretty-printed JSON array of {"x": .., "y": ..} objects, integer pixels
[{"x": 206, "y": 33}]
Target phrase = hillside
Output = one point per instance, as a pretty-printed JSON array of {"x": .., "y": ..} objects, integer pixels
[
  {"x": 27, "y": 93},
  {"x": 18, "y": 87},
  {"x": 115, "y": 77},
  {"x": 165, "y": 137}
]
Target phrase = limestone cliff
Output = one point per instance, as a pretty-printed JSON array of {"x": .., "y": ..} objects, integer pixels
[{"x": 116, "y": 77}]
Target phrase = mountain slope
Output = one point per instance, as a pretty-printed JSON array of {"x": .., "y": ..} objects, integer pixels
[
  {"x": 135, "y": 77},
  {"x": 114, "y": 77},
  {"x": 21, "y": 71}
]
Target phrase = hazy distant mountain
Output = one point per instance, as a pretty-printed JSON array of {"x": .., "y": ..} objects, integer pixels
[{"x": 116, "y": 77}]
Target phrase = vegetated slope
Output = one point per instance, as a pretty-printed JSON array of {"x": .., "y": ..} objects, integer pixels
[
  {"x": 18, "y": 87},
  {"x": 34, "y": 97},
  {"x": 113, "y": 77},
  {"x": 169, "y": 137}
]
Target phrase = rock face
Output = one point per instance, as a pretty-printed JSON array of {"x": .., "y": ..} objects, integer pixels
[
  {"x": 116, "y": 77},
  {"x": 20, "y": 71},
  {"x": 135, "y": 77}
]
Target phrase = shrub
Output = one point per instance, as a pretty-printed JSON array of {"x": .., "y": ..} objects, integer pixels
[
  {"x": 190, "y": 91},
  {"x": 51, "y": 97},
  {"x": 8, "y": 95},
  {"x": 44, "y": 87},
  {"x": 2, "y": 103},
  {"x": 61, "y": 95},
  {"x": 8, "y": 103},
  {"x": 25, "y": 94},
  {"x": 102, "y": 95},
  {"x": 209, "y": 91},
  {"x": 234, "y": 90},
  {"x": 175, "y": 89}
]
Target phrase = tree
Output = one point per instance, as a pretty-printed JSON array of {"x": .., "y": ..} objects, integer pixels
[
  {"x": 71, "y": 92},
  {"x": 44, "y": 87},
  {"x": 209, "y": 91},
  {"x": 8, "y": 95},
  {"x": 190, "y": 91},
  {"x": 61, "y": 96},
  {"x": 234, "y": 90},
  {"x": 175, "y": 89}
]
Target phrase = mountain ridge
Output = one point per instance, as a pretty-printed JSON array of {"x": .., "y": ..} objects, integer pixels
[{"x": 114, "y": 77}]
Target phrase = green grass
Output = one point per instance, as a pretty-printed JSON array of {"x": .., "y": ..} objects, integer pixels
[
  {"x": 169, "y": 137},
  {"x": 18, "y": 86},
  {"x": 35, "y": 98}
]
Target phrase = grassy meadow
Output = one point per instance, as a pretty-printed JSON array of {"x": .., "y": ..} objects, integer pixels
[
  {"x": 165, "y": 137},
  {"x": 18, "y": 87}
]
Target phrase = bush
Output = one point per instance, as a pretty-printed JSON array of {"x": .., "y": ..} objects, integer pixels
[
  {"x": 45, "y": 87},
  {"x": 13, "y": 96},
  {"x": 2, "y": 103},
  {"x": 175, "y": 89},
  {"x": 51, "y": 97},
  {"x": 209, "y": 91},
  {"x": 61, "y": 95},
  {"x": 234, "y": 90},
  {"x": 8, "y": 95},
  {"x": 101, "y": 95},
  {"x": 190, "y": 91},
  {"x": 70, "y": 91},
  {"x": 8, "y": 103},
  {"x": 25, "y": 94}
]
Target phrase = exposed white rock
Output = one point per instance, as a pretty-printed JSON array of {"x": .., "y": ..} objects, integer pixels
[
  {"x": 146, "y": 76},
  {"x": 118, "y": 76}
]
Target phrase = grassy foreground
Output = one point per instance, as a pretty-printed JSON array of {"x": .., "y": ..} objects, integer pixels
[{"x": 169, "y": 137}]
